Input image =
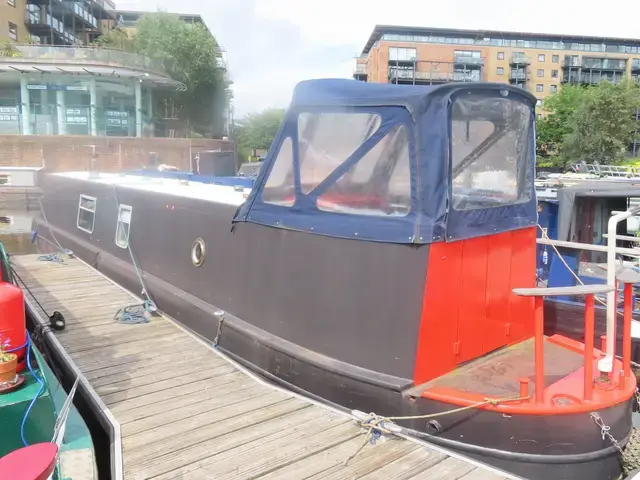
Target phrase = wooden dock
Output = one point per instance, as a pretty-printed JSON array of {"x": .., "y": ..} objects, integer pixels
[{"x": 184, "y": 411}]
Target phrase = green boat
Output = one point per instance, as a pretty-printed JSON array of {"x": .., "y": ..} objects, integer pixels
[{"x": 37, "y": 410}]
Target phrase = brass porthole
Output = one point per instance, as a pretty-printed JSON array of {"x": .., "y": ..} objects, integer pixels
[{"x": 197, "y": 252}]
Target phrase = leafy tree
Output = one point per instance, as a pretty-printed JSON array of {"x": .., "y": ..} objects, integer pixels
[
  {"x": 603, "y": 124},
  {"x": 114, "y": 38},
  {"x": 554, "y": 126},
  {"x": 257, "y": 131},
  {"x": 189, "y": 54}
]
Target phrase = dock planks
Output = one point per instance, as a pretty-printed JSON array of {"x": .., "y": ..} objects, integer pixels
[{"x": 187, "y": 413}]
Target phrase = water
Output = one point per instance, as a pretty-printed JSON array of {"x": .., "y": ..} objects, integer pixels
[{"x": 15, "y": 231}]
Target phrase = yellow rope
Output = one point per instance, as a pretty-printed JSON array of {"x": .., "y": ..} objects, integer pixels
[{"x": 373, "y": 423}]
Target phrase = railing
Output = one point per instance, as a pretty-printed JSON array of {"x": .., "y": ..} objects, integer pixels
[
  {"x": 468, "y": 60},
  {"x": 518, "y": 76},
  {"x": 520, "y": 60},
  {"x": 91, "y": 55},
  {"x": 588, "y": 291}
]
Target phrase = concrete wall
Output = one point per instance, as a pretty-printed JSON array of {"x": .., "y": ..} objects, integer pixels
[{"x": 70, "y": 153}]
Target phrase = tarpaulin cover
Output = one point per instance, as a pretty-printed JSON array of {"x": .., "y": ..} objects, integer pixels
[
  {"x": 424, "y": 113},
  {"x": 567, "y": 198}
]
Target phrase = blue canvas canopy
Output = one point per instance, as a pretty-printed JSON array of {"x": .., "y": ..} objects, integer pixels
[{"x": 467, "y": 151}]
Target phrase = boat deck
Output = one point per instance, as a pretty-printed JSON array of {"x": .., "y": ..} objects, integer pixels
[{"x": 185, "y": 411}]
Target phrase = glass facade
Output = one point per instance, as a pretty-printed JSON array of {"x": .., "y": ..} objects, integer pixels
[
  {"x": 74, "y": 105},
  {"x": 516, "y": 43}
]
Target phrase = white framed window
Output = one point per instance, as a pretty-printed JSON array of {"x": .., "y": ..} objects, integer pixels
[
  {"x": 86, "y": 213},
  {"x": 124, "y": 226}
]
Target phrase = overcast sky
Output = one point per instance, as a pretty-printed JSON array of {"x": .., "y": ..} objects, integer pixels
[{"x": 273, "y": 44}]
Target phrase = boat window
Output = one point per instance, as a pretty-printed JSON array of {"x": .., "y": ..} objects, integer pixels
[
  {"x": 279, "y": 189},
  {"x": 489, "y": 152},
  {"x": 326, "y": 140},
  {"x": 86, "y": 213},
  {"x": 379, "y": 184},
  {"x": 197, "y": 252},
  {"x": 5, "y": 179},
  {"x": 124, "y": 226}
]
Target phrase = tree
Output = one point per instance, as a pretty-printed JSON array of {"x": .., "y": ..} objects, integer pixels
[
  {"x": 603, "y": 124},
  {"x": 554, "y": 126},
  {"x": 189, "y": 54},
  {"x": 257, "y": 131}
]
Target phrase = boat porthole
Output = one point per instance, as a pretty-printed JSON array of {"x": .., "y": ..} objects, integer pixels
[
  {"x": 197, "y": 252},
  {"x": 434, "y": 427}
]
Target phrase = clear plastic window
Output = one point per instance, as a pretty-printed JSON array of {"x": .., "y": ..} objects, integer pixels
[
  {"x": 326, "y": 140},
  {"x": 379, "y": 184},
  {"x": 490, "y": 152},
  {"x": 124, "y": 226},
  {"x": 86, "y": 213},
  {"x": 279, "y": 189}
]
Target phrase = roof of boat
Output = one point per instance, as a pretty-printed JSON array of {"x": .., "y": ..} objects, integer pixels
[
  {"x": 344, "y": 92},
  {"x": 169, "y": 186}
]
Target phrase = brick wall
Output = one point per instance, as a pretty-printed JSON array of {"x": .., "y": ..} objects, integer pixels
[{"x": 69, "y": 153}]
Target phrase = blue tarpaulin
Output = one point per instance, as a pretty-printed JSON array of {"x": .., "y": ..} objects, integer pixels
[{"x": 426, "y": 112}]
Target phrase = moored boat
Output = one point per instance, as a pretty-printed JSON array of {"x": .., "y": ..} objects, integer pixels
[
  {"x": 43, "y": 435},
  {"x": 384, "y": 261}
]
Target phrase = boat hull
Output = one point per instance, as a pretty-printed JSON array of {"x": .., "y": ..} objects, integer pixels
[{"x": 556, "y": 447}]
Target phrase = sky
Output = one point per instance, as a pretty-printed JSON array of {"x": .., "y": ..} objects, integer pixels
[{"x": 273, "y": 44}]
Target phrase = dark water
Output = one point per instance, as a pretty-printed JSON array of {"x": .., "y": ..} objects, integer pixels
[{"x": 15, "y": 231}]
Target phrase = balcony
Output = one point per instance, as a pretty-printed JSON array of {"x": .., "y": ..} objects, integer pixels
[
  {"x": 518, "y": 77},
  {"x": 635, "y": 65},
  {"x": 432, "y": 77},
  {"x": 41, "y": 23},
  {"x": 519, "y": 60},
  {"x": 74, "y": 14},
  {"x": 468, "y": 61},
  {"x": 590, "y": 63},
  {"x": 82, "y": 56}
]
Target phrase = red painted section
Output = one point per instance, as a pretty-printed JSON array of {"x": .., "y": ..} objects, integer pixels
[
  {"x": 589, "y": 328},
  {"x": 12, "y": 318},
  {"x": 572, "y": 386},
  {"x": 36, "y": 462},
  {"x": 539, "y": 348},
  {"x": 468, "y": 307}
]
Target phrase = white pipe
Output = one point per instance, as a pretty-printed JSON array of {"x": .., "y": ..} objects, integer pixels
[
  {"x": 606, "y": 364},
  {"x": 629, "y": 252}
]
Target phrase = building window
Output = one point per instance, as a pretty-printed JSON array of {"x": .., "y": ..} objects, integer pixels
[
  {"x": 124, "y": 226},
  {"x": 86, "y": 213},
  {"x": 539, "y": 102},
  {"x": 500, "y": 55},
  {"x": 500, "y": 71},
  {"x": 539, "y": 116},
  {"x": 13, "y": 31},
  {"x": 540, "y": 72},
  {"x": 541, "y": 57},
  {"x": 12, "y": 2},
  {"x": 553, "y": 88},
  {"x": 402, "y": 54},
  {"x": 555, "y": 59},
  {"x": 554, "y": 73},
  {"x": 539, "y": 88}
]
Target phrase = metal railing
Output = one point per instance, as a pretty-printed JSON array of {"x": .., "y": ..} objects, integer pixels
[
  {"x": 520, "y": 60},
  {"x": 468, "y": 60},
  {"x": 89, "y": 55}
]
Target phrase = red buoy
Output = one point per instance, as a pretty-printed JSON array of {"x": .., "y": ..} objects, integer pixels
[{"x": 13, "y": 327}]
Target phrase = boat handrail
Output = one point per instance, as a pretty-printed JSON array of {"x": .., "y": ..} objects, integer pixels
[
  {"x": 629, "y": 252},
  {"x": 538, "y": 294}
]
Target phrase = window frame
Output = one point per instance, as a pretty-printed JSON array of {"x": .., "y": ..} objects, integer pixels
[
  {"x": 12, "y": 3},
  {"x": 123, "y": 207},
  {"x": 500, "y": 71},
  {"x": 539, "y": 87},
  {"x": 500, "y": 56},
  {"x": 15, "y": 28},
  {"x": 540, "y": 73},
  {"x": 80, "y": 207},
  {"x": 555, "y": 59},
  {"x": 542, "y": 57},
  {"x": 554, "y": 73}
]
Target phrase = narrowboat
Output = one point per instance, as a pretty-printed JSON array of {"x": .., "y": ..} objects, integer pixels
[
  {"x": 383, "y": 261},
  {"x": 43, "y": 435}
]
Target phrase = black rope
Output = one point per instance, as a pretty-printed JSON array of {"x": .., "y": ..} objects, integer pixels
[{"x": 56, "y": 319}]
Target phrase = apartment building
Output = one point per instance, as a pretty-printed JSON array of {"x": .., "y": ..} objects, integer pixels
[
  {"x": 53, "y": 22},
  {"x": 539, "y": 63}
]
